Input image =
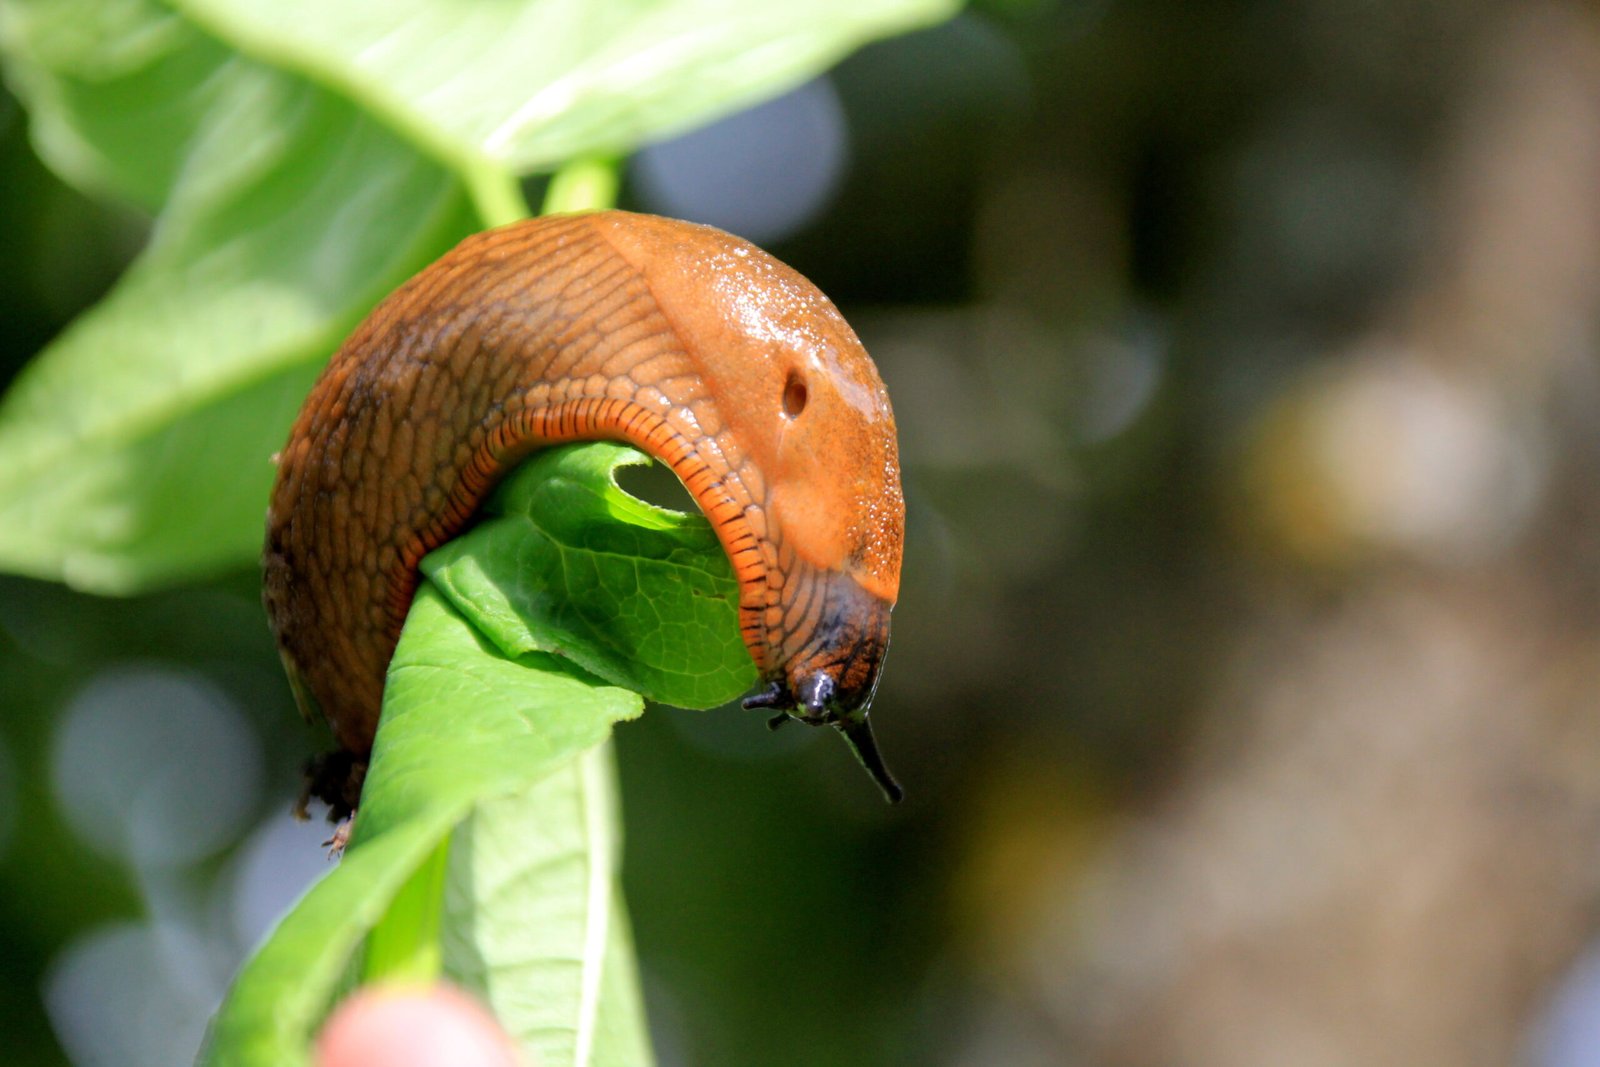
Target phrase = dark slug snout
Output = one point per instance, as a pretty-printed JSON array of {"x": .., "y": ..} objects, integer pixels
[{"x": 831, "y": 679}]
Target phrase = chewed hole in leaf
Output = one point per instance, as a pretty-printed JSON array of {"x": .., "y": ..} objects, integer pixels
[{"x": 654, "y": 483}]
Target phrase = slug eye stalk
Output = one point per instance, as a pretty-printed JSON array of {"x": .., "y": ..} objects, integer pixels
[
  {"x": 857, "y": 732},
  {"x": 854, "y": 726}
]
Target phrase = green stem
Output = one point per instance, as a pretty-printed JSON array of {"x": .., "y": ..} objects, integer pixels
[
  {"x": 496, "y": 194},
  {"x": 404, "y": 946},
  {"x": 586, "y": 184}
]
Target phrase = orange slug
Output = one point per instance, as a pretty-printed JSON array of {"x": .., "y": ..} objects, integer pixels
[{"x": 682, "y": 340}]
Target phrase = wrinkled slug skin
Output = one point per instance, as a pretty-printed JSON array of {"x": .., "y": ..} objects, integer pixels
[{"x": 689, "y": 343}]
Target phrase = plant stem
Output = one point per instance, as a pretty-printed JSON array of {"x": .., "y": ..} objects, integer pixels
[
  {"x": 585, "y": 184},
  {"x": 404, "y": 946},
  {"x": 496, "y": 194}
]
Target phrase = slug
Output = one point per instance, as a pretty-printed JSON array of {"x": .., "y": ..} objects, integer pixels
[{"x": 682, "y": 340}]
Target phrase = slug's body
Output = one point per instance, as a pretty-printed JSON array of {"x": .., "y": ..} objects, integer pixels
[{"x": 689, "y": 343}]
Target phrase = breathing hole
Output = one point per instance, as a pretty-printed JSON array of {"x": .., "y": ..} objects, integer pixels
[{"x": 794, "y": 397}]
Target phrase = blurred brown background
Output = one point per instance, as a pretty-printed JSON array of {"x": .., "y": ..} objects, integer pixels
[{"x": 1244, "y": 678}]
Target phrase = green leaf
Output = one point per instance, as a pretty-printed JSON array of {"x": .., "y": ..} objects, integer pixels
[
  {"x": 118, "y": 90},
  {"x": 405, "y": 946},
  {"x": 497, "y": 747},
  {"x": 534, "y": 924},
  {"x": 648, "y": 602},
  {"x": 135, "y": 450},
  {"x": 582, "y": 77},
  {"x": 462, "y": 725},
  {"x": 463, "y": 722}
]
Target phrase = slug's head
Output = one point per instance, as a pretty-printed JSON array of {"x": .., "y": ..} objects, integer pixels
[
  {"x": 798, "y": 410},
  {"x": 830, "y": 675}
]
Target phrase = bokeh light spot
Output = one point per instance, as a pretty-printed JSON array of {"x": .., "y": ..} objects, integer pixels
[
  {"x": 131, "y": 994},
  {"x": 279, "y": 862},
  {"x": 1569, "y": 1033},
  {"x": 762, "y": 173},
  {"x": 155, "y": 767}
]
